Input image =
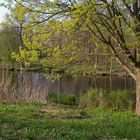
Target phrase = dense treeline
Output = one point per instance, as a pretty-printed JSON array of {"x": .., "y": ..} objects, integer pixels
[{"x": 9, "y": 42}]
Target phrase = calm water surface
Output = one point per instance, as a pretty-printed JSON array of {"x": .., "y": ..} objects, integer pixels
[{"x": 34, "y": 87}]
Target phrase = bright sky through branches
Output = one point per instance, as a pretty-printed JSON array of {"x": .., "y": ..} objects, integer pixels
[{"x": 3, "y": 11}]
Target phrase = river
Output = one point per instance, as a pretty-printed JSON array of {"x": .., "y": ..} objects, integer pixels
[{"x": 34, "y": 86}]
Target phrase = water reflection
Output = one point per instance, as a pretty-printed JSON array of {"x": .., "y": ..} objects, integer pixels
[{"x": 34, "y": 87}]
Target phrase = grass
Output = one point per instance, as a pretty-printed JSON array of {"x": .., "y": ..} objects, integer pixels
[{"x": 30, "y": 121}]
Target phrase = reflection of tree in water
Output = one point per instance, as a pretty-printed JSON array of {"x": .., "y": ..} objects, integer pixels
[
  {"x": 34, "y": 87},
  {"x": 24, "y": 86},
  {"x": 111, "y": 83},
  {"x": 7, "y": 87}
]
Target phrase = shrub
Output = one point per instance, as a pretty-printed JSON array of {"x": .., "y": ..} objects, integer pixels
[
  {"x": 62, "y": 99},
  {"x": 93, "y": 97},
  {"x": 120, "y": 99}
]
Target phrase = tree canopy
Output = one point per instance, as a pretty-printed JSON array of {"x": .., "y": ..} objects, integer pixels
[{"x": 111, "y": 25}]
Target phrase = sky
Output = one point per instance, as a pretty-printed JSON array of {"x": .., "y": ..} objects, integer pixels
[{"x": 3, "y": 11}]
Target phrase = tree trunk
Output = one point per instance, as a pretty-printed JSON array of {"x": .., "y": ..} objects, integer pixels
[{"x": 137, "y": 111}]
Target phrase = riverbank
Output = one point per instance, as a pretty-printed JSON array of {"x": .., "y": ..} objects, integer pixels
[
  {"x": 99, "y": 72},
  {"x": 54, "y": 122}
]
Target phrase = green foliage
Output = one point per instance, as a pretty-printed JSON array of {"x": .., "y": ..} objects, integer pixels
[
  {"x": 26, "y": 57},
  {"x": 68, "y": 33},
  {"x": 62, "y": 99},
  {"x": 116, "y": 99},
  {"x": 34, "y": 121},
  {"x": 53, "y": 44}
]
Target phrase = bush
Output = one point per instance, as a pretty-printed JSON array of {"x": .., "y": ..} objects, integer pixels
[
  {"x": 93, "y": 97},
  {"x": 120, "y": 99},
  {"x": 62, "y": 99}
]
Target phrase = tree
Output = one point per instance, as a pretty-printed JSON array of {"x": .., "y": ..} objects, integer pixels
[
  {"x": 9, "y": 42},
  {"x": 16, "y": 20},
  {"x": 114, "y": 23}
]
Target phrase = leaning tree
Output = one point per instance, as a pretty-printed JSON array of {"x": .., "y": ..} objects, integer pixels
[{"x": 114, "y": 23}]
